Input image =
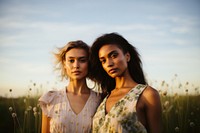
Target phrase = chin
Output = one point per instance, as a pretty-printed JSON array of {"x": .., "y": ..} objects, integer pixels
[
  {"x": 113, "y": 75},
  {"x": 78, "y": 78}
]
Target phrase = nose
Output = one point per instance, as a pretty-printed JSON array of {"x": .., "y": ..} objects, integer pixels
[
  {"x": 109, "y": 62},
  {"x": 76, "y": 64}
]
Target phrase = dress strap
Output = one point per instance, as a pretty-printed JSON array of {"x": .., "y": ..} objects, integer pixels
[{"x": 138, "y": 89}]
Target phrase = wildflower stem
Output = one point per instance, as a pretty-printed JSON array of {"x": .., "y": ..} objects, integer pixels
[
  {"x": 14, "y": 109},
  {"x": 24, "y": 124}
]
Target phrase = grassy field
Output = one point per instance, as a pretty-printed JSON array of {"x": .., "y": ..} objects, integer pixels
[
  {"x": 181, "y": 112},
  {"x": 20, "y": 115}
]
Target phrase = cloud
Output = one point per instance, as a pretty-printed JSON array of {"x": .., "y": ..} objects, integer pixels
[{"x": 166, "y": 35}]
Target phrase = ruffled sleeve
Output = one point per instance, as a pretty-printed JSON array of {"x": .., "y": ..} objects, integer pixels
[{"x": 46, "y": 103}]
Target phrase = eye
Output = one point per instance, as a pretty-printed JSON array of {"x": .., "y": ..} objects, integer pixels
[
  {"x": 114, "y": 55},
  {"x": 71, "y": 60},
  {"x": 102, "y": 61},
  {"x": 83, "y": 60}
]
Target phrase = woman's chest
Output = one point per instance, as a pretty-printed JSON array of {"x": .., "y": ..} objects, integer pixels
[{"x": 114, "y": 98}]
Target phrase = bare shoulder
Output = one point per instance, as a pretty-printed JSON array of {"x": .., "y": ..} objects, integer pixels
[
  {"x": 153, "y": 109},
  {"x": 151, "y": 95},
  {"x": 149, "y": 91}
]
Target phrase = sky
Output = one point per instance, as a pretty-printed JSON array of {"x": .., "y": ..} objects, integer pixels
[{"x": 165, "y": 33}]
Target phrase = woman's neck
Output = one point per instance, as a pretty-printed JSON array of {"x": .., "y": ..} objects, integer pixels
[
  {"x": 77, "y": 87},
  {"x": 124, "y": 82}
]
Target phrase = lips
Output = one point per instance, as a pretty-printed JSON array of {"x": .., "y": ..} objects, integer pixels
[
  {"x": 111, "y": 71},
  {"x": 76, "y": 72}
]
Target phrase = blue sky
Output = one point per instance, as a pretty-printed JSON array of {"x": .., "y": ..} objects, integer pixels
[{"x": 166, "y": 34}]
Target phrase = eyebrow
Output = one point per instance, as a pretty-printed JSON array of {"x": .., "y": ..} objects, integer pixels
[
  {"x": 82, "y": 57},
  {"x": 109, "y": 54}
]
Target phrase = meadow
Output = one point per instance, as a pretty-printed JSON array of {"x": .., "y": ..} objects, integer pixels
[{"x": 180, "y": 111}]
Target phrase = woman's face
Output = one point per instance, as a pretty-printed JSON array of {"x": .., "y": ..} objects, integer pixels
[
  {"x": 113, "y": 60},
  {"x": 76, "y": 63}
]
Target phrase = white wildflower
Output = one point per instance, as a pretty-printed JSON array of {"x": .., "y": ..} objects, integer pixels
[
  {"x": 192, "y": 124},
  {"x": 14, "y": 115},
  {"x": 10, "y": 109},
  {"x": 166, "y": 104},
  {"x": 25, "y": 112},
  {"x": 177, "y": 129},
  {"x": 29, "y": 108},
  {"x": 34, "y": 109},
  {"x": 35, "y": 114}
]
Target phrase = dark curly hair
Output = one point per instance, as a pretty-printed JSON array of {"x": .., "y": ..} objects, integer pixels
[{"x": 99, "y": 75}]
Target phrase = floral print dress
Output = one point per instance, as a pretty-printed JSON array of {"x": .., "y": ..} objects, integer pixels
[
  {"x": 122, "y": 117},
  {"x": 55, "y": 105}
]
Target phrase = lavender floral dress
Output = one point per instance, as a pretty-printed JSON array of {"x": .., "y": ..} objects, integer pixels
[
  {"x": 55, "y": 105},
  {"x": 122, "y": 117}
]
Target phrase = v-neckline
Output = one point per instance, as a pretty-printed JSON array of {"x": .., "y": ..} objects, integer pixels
[
  {"x": 68, "y": 101},
  {"x": 114, "y": 105}
]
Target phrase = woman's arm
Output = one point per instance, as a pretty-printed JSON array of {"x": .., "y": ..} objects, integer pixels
[
  {"x": 45, "y": 124},
  {"x": 153, "y": 110}
]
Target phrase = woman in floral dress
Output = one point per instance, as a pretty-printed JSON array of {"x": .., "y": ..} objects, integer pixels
[
  {"x": 131, "y": 106},
  {"x": 71, "y": 109}
]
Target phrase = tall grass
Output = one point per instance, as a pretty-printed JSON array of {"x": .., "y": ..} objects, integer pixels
[
  {"x": 180, "y": 111},
  {"x": 181, "y": 114},
  {"x": 25, "y": 112}
]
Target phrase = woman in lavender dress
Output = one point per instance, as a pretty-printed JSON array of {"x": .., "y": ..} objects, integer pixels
[{"x": 71, "y": 109}]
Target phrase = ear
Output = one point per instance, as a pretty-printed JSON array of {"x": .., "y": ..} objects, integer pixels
[{"x": 128, "y": 56}]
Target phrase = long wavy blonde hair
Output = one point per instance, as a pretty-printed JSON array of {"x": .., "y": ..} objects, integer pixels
[{"x": 61, "y": 52}]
